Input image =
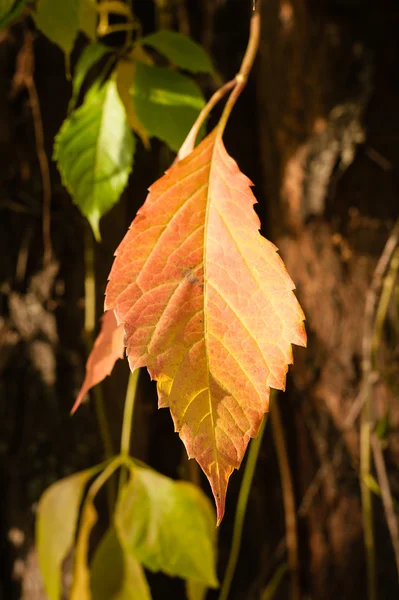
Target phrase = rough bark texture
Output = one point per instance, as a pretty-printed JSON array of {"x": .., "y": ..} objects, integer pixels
[
  {"x": 316, "y": 130},
  {"x": 325, "y": 86}
]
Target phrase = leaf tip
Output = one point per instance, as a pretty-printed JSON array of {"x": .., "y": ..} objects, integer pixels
[{"x": 94, "y": 221}]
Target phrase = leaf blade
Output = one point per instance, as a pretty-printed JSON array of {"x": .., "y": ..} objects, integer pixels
[
  {"x": 125, "y": 73},
  {"x": 91, "y": 54},
  {"x": 166, "y": 103},
  {"x": 116, "y": 574},
  {"x": 10, "y": 10},
  {"x": 59, "y": 21},
  {"x": 180, "y": 50},
  {"x": 207, "y": 306},
  {"x": 168, "y": 526},
  {"x": 108, "y": 347},
  {"x": 57, "y": 516},
  {"x": 94, "y": 151}
]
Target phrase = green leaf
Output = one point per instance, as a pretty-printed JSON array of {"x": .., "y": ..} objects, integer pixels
[
  {"x": 59, "y": 21},
  {"x": 90, "y": 56},
  {"x": 94, "y": 151},
  {"x": 180, "y": 50},
  {"x": 57, "y": 516},
  {"x": 166, "y": 103},
  {"x": 125, "y": 72},
  {"x": 115, "y": 574},
  {"x": 168, "y": 526},
  {"x": 88, "y": 17},
  {"x": 9, "y": 10}
]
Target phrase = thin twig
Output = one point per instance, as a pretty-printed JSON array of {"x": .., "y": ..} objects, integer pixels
[
  {"x": 367, "y": 416},
  {"x": 246, "y": 66},
  {"x": 273, "y": 585},
  {"x": 182, "y": 17},
  {"x": 24, "y": 76},
  {"x": 288, "y": 498},
  {"x": 348, "y": 423},
  {"x": 386, "y": 495},
  {"x": 241, "y": 510},
  {"x": 189, "y": 142},
  {"x": 89, "y": 328},
  {"x": 236, "y": 85},
  {"x": 131, "y": 394}
]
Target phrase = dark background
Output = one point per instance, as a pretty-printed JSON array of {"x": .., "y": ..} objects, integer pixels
[{"x": 317, "y": 131}]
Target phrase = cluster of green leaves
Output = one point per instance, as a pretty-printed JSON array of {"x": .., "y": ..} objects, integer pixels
[
  {"x": 130, "y": 97},
  {"x": 160, "y": 524}
]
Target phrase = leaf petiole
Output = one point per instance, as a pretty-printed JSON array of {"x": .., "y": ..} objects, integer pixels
[
  {"x": 237, "y": 85},
  {"x": 127, "y": 424}
]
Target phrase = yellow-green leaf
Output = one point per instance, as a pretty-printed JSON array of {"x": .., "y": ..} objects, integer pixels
[
  {"x": 180, "y": 50},
  {"x": 88, "y": 18},
  {"x": 59, "y": 21},
  {"x": 125, "y": 73},
  {"x": 166, "y": 103},
  {"x": 81, "y": 573},
  {"x": 116, "y": 574},
  {"x": 167, "y": 526},
  {"x": 56, "y": 521},
  {"x": 195, "y": 590}
]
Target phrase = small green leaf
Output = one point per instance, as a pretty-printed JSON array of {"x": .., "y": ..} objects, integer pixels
[
  {"x": 115, "y": 574},
  {"x": 180, "y": 50},
  {"x": 88, "y": 17},
  {"x": 90, "y": 56},
  {"x": 94, "y": 152},
  {"x": 9, "y": 10},
  {"x": 59, "y": 21},
  {"x": 166, "y": 103},
  {"x": 167, "y": 526},
  {"x": 57, "y": 516}
]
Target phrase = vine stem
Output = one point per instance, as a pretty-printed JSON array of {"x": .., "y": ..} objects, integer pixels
[
  {"x": 246, "y": 66},
  {"x": 367, "y": 416},
  {"x": 241, "y": 509},
  {"x": 89, "y": 328},
  {"x": 127, "y": 424},
  {"x": 236, "y": 85},
  {"x": 288, "y": 498},
  {"x": 272, "y": 587}
]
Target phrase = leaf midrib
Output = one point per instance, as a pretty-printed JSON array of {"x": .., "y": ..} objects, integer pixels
[{"x": 205, "y": 250}]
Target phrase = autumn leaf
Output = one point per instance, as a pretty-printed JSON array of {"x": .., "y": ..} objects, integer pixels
[
  {"x": 207, "y": 306},
  {"x": 107, "y": 348}
]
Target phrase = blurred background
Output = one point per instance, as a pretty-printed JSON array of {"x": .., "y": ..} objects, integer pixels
[{"x": 317, "y": 131}]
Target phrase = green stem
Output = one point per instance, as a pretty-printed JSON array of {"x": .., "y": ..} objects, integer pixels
[
  {"x": 89, "y": 327},
  {"x": 366, "y": 496},
  {"x": 241, "y": 510},
  {"x": 273, "y": 585},
  {"x": 367, "y": 416},
  {"x": 128, "y": 412},
  {"x": 127, "y": 424},
  {"x": 288, "y": 497}
]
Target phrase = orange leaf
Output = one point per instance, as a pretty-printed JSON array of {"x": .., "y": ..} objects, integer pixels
[
  {"x": 207, "y": 306},
  {"x": 107, "y": 348}
]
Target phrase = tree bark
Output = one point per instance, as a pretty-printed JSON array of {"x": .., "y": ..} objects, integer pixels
[{"x": 327, "y": 113}]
